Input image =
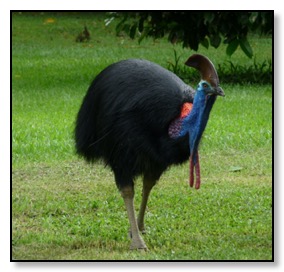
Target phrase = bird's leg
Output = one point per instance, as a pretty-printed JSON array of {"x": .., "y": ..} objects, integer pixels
[
  {"x": 147, "y": 187},
  {"x": 128, "y": 196}
]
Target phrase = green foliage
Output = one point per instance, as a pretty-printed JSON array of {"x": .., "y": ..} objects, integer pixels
[
  {"x": 256, "y": 73},
  {"x": 64, "y": 209},
  {"x": 229, "y": 72},
  {"x": 192, "y": 28}
]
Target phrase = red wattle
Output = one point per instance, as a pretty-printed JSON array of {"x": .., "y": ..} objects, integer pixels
[
  {"x": 197, "y": 172},
  {"x": 191, "y": 174}
]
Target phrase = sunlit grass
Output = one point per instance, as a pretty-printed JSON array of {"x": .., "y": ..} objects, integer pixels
[{"x": 61, "y": 211}]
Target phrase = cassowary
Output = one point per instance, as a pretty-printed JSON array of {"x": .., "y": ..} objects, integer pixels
[{"x": 141, "y": 118}]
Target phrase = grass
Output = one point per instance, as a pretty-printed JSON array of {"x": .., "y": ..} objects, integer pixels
[{"x": 64, "y": 209}]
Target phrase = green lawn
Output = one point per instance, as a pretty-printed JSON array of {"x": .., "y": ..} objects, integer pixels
[{"x": 64, "y": 209}]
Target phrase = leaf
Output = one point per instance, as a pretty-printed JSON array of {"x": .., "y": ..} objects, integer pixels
[
  {"x": 232, "y": 47},
  {"x": 144, "y": 34},
  {"x": 132, "y": 31},
  {"x": 235, "y": 169},
  {"x": 205, "y": 43},
  {"x": 215, "y": 40},
  {"x": 49, "y": 21},
  {"x": 208, "y": 17},
  {"x": 141, "y": 25},
  {"x": 253, "y": 17},
  {"x": 120, "y": 25},
  {"x": 108, "y": 21},
  {"x": 126, "y": 28},
  {"x": 190, "y": 40},
  {"x": 246, "y": 47}
]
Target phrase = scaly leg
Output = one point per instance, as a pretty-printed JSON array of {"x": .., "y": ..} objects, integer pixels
[
  {"x": 128, "y": 196},
  {"x": 147, "y": 187}
]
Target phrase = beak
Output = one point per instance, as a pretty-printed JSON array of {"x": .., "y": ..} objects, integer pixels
[{"x": 219, "y": 91}]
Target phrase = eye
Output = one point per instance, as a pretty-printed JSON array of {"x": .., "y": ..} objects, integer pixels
[{"x": 205, "y": 85}]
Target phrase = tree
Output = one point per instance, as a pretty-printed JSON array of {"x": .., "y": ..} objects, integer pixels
[{"x": 192, "y": 28}]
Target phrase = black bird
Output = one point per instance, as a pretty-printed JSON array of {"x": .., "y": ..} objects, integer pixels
[{"x": 141, "y": 118}]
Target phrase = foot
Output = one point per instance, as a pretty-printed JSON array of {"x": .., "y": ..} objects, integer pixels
[{"x": 138, "y": 244}]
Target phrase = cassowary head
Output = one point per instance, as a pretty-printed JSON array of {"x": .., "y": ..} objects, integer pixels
[{"x": 206, "y": 87}]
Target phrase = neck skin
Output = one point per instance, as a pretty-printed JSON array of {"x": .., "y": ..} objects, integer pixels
[{"x": 202, "y": 105}]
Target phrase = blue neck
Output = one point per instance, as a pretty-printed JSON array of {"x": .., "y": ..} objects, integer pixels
[{"x": 197, "y": 120}]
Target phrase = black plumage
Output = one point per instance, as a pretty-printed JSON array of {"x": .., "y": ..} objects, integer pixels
[
  {"x": 125, "y": 116},
  {"x": 128, "y": 116}
]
